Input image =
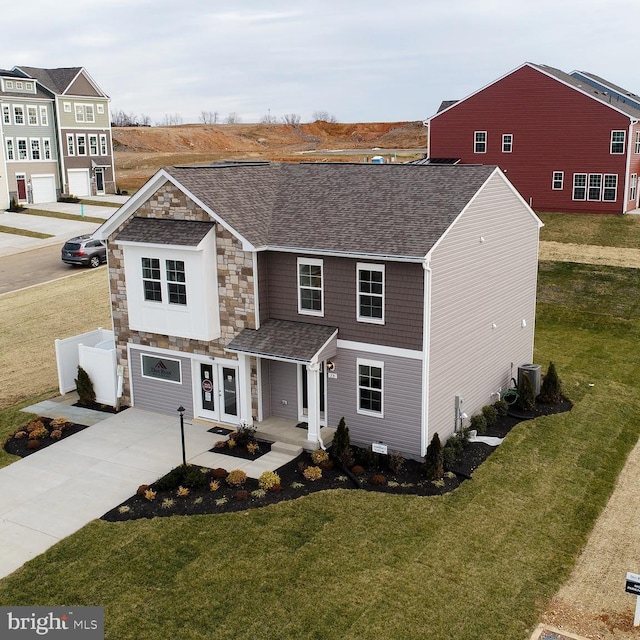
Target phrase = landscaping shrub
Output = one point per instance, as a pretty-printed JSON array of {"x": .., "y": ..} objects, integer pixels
[
  {"x": 357, "y": 470},
  {"x": 341, "y": 444},
  {"x": 219, "y": 473},
  {"x": 245, "y": 435},
  {"x": 312, "y": 473},
  {"x": 551, "y": 387},
  {"x": 368, "y": 458},
  {"x": 501, "y": 407},
  {"x": 241, "y": 495},
  {"x": 396, "y": 462},
  {"x": 490, "y": 414},
  {"x": 236, "y": 478},
  {"x": 268, "y": 480},
  {"x": 377, "y": 480},
  {"x": 454, "y": 446},
  {"x": 478, "y": 423},
  {"x": 141, "y": 489},
  {"x": 526, "y": 394},
  {"x": 214, "y": 485},
  {"x": 150, "y": 495},
  {"x": 319, "y": 456},
  {"x": 56, "y": 434},
  {"x": 182, "y": 492},
  {"x": 84, "y": 387},
  {"x": 33, "y": 444},
  {"x": 39, "y": 434},
  {"x": 186, "y": 476},
  {"x": 34, "y": 425},
  {"x": 434, "y": 459}
]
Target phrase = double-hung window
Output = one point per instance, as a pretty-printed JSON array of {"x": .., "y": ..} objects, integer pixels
[
  {"x": 10, "y": 150},
  {"x": 44, "y": 116},
  {"x": 82, "y": 144},
  {"x": 6, "y": 114},
  {"x": 370, "y": 387},
  {"x": 32, "y": 115},
  {"x": 71, "y": 146},
  {"x": 89, "y": 113},
  {"x": 557, "y": 180},
  {"x": 93, "y": 145},
  {"x": 46, "y": 148},
  {"x": 35, "y": 148},
  {"x": 151, "y": 281},
  {"x": 176, "y": 288},
  {"x": 18, "y": 114},
  {"x": 617, "y": 141},
  {"x": 595, "y": 186},
  {"x": 637, "y": 144},
  {"x": 310, "y": 287},
  {"x": 610, "y": 187},
  {"x": 79, "y": 113},
  {"x": 370, "y": 283},
  {"x": 480, "y": 142},
  {"x": 22, "y": 148},
  {"x": 103, "y": 144},
  {"x": 579, "y": 186},
  {"x": 507, "y": 143},
  {"x": 633, "y": 183}
]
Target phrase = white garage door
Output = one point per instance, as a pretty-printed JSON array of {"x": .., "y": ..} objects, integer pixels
[
  {"x": 79, "y": 182},
  {"x": 43, "y": 188}
]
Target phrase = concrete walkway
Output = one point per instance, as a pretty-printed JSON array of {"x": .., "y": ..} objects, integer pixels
[
  {"x": 56, "y": 491},
  {"x": 60, "y": 230}
]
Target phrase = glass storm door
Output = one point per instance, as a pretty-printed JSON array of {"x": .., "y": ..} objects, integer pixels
[
  {"x": 208, "y": 400},
  {"x": 99, "y": 181},
  {"x": 229, "y": 390},
  {"x": 217, "y": 394}
]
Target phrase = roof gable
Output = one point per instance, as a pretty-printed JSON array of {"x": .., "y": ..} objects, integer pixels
[
  {"x": 64, "y": 80},
  {"x": 394, "y": 211}
]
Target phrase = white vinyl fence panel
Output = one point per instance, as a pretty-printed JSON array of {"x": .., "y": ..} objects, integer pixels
[{"x": 100, "y": 364}]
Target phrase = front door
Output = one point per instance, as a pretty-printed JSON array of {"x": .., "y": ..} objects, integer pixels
[
  {"x": 217, "y": 392},
  {"x": 99, "y": 181},
  {"x": 21, "y": 181}
]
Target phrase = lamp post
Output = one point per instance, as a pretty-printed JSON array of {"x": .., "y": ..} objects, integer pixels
[{"x": 181, "y": 411}]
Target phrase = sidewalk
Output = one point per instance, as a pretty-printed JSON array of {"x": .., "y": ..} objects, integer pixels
[{"x": 60, "y": 230}]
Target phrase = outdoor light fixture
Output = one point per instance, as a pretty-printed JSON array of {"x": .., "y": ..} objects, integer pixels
[
  {"x": 331, "y": 365},
  {"x": 181, "y": 411}
]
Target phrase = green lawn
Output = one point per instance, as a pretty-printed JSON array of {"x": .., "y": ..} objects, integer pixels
[
  {"x": 477, "y": 564},
  {"x": 597, "y": 229},
  {"x": 24, "y": 232},
  {"x": 60, "y": 215}
]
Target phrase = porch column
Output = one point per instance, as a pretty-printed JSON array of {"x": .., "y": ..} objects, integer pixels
[
  {"x": 313, "y": 400},
  {"x": 244, "y": 387}
]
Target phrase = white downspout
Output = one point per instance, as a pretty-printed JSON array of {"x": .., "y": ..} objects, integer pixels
[{"x": 426, "y": 344}]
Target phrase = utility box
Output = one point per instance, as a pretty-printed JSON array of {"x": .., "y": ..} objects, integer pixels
[{"x": 532, "y": 371}]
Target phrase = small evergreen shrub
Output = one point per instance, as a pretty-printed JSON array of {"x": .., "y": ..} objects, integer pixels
[
  {"x": 368, "y": 458},
  {"x": 490, "y": 414},
  {"x": 478, "y": 423},
  {"x": 434, "y": 459},
  {"x": 501, "y": 407},
  {"x": 84, "y": 387},
  {"x": 551, "y": 387},
  {"x": 526, "y": 394},
  {"x": 186, "y": 476},
  {"x": 341, "y": 444},
  {"x": 396, "y": 462},
  {"x": 245, "y": 435},
  {"x": 219, "y": 473},
  {"x": 236, "y": 478}
]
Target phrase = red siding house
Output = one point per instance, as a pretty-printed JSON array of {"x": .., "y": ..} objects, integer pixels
[{"x": 567, "y": 142}]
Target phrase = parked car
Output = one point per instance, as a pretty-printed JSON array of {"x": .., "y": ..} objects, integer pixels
[{"x": 84, "y": 250}]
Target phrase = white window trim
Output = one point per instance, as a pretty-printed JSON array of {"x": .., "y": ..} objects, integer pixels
[
  {"x": 39, "y": 145},
  {"x": 79, "y": 111},
  {"x": 19, "y": 85},
  {"x": 26, "y": 146},
  {"x": 100, "y": 109},
  {"x": 605, "y": 188},
  {"x": 9, "y": 84},
  {"x": 6, "y": 114},
  {"x": 633, "y": 185},
  {"x": 476, "y": 142},
  {"x": 13, "y": 149},
  {"x": 363, "y": 266},
  {"x": 46, "y": 148},
  {"x": 623, "y": 142},
  {"x": 148, "y": 355},
  {"x": 369, "y": 363},
  {"x": 585, "y": 187},
  {"x": 510, "y": 142},
  {"x": 66, "y": 106},
  {"x": 561, "y": 180},
  {"x": 44, "y": 116},
  {"x": 104, "y": 149},
  {"x": 315, "y": 262},
  {"x": 31, "y": 108},
  {"x": 637, "y": 145},
  {"x": 97, "y": 148},
  {"x": 589, "y": 187},
  {"x": 78, "y": 137},
  {"x": 71, "y": 150},
  {"x": 15, "y": 120}
]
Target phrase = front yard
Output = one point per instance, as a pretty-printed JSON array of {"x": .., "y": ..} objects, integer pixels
[{"x": 479, "y": 563}]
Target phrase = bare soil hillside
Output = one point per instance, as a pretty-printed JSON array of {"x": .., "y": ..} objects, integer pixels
[{"x": 140, "y": 151}]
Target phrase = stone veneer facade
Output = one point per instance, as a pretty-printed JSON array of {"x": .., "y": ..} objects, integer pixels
[{"x": 235, "y": 288}]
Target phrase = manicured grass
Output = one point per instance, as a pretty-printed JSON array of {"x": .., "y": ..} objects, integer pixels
[
  {"x": 594, "y": 229},
  {"x": 479, "y": 564},
  {"x": 100, "y": 203},
  {"x": 24, "y": 232},
  {"x": 61, "y": 216}
]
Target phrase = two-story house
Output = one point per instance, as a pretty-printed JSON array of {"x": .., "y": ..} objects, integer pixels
[
  {"x": 567, "y": 142},
  {"x": 29, "y": 167},
  {"x": 399, "y": 297},
  {"x": 83, "y": 124}
]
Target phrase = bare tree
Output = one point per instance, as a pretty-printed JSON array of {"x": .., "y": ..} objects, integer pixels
[
  {"x": 171, "y": 119},
  {"x": 121, "y": 119},
  {"x": 291, "y": 118},
  {"x": 145, "y": 121},
  {"x": 268, "y": 118},
  {"x": 233, "y": 118},
  {"x": 325, "y": 116},
  {"x": 209, "y": 117}
]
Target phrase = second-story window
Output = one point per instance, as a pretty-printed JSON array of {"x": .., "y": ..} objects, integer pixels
[
  {"x": 71, "y": 147},
  {"x": 175, "y": 282},
  {"x": 310, "y": 289},
  {"x": 151, "y": 282},
  {"x": 507, "y": 143},
  {"x": 44, "y": 116},
  {"x": 93, "y": 145},
  {"x": 6, "y": 114},
  {"x": 103, "y": 144},
  {"x": 557, "y": 181},
  {"x": 370, "y": 293},
  {"x": 18, "y": 114},
  {"x": 35, "y": 148},
  {"x": 617, "y": 141},
  {"x": 82, "y": 144},
  {"x": 32, "y": 115},
  {"x": 480, "y": 142}
]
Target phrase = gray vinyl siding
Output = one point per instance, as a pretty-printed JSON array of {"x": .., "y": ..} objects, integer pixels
[
  {"x": 400, "y": 427},
  {"x": 158, "y": 395},
  {"x": 283, "y": 378},
  {"x": 263, "y": 287},
  {"x": 484, "y": 273},
  {"x": 265, "y": 386},
  {"x": 403, "y": 299}
]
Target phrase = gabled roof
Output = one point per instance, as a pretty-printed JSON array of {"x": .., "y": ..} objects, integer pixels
[
  {"x": 396, "y": 211},
  {"x": 566, "y": 79},
  {"x": 616, "y": 93},
  {"x": 186, "y": 233},
  {"x": 41, "y": 91},
  {"x": 57, "y": 80}
]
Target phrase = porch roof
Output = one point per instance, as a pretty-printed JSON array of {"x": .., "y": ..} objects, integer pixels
[{"x": 301, "y": 342}]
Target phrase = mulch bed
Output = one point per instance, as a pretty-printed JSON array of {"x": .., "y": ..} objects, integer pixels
[{"x": 20, "y": 446}]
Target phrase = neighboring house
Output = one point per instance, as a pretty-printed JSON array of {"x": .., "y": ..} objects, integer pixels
[
  {"x": 29, "y": 157},
  {"x": 83, "y": 123},
  {"x": 390, "y": 295},
  {"x": 567, "y": 142}
]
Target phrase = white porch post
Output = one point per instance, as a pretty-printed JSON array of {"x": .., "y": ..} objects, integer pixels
[
  {"x": 313, "y": 400},
  {"x": 244, "y": 386}
]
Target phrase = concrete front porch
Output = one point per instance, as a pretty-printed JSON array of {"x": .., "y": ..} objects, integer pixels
[{"x": 276, "y": 429}]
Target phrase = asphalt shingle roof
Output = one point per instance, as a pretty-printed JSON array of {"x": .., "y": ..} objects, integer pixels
[
  {"x": 299, "y": 341},
  {"x": 186, "y": 233},
  {"x": 56, "y": 80},
  {"x": 382, "y": 210}
]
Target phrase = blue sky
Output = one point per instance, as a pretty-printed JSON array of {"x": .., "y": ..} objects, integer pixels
[{"x": 361, "y": 61}]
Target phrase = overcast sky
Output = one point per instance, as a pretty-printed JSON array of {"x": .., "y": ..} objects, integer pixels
[{"x": 359, "y": 60}]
